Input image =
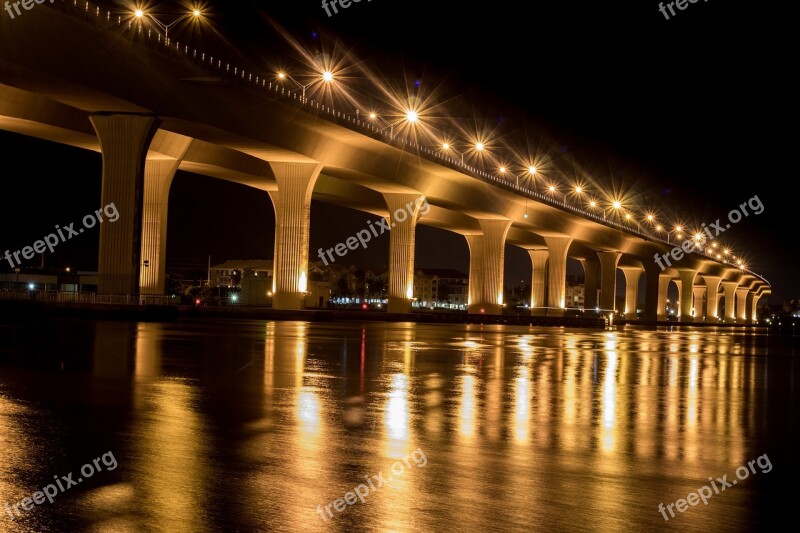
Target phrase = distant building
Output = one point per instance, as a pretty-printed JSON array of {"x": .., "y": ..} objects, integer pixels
[
  {"x": 230, "y": 273},
  {"x": 441, "y": 287},
  {"x": 575, "y": 296}
]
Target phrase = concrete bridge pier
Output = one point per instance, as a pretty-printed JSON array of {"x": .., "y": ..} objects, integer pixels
[
  {"x": 663, "y": 290},
  {"x": 741, "y": 304},
  {"x": 632, "y": 275},
  {"x": 712, "y": 298},
  {"x": 590, "y": 266},
  {"x": 538, "y": 281},
  {"x": 158, "y": 175},
  {"x": 558, "y": 248},
  {"x": 292, "y": 203},
  {"x": 698, "y": 292},
  {"x": 685, "y": 288},
  {"x": 124, "y": 142},
  {"x": 487, "y": 260},
  {"x": 401, "y": 250},
  {"x": 729, "y": 287},
  {"x": 608, "y": 279}
]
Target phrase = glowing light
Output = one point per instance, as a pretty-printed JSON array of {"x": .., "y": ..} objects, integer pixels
[
  {"x": 698, "y": 236},
  {"x": 373, "y": 116},
  {"x": 616, "y": 204},
  {"x": 302, "y": 283},
  {"x": 578, "y": 189},
  {"x": 531, "y": 169},
  {"x": 659, "y": 228},
  {"x": 628, "y": 216},
  {"x": 479, "y": 146},
  {"x": 282, "y": 75},
  {"x": 32, "y": 286},
  {"x": 502, "y": 170},
  {"x": 552, "y": 188},
  {"x": 412, "y": 116},
  {"x": 726, "y": 251},
  {"x": 650, "y": 218},
  {"x": 138, "y": 13},
  {"x": 234, "y": 298},
  {"x": 197, "y": 13},
  {"x": 327, "y": 76},
  {"x": 592, "y": 204},
  {"x": 678, "y": 229},
  {"x": 446, "y": 146}
]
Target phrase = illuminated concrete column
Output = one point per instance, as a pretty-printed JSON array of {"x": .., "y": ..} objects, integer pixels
[
  {"x": 754, "y": 308},
  {"x": 632, "y": 275},
  {"x": 651, "y": 291},
  {"x": 539, "y": 278},
  {"x": 403, "y": 216},
  {"x": 557, "y": 248},
  {"x": 489, "y": 271},
  {"x": 590, "y": 266},
  {"x": 292, "y": 203},
  {"x": 685, "y": 291},
  {"x": 608, "y": 279},
  {"x": 741, "y": 304},
  {"x": 679, "y": 303},
  {"x": 475, "y": 299},
  {"x": 699, "y": 291},
  {"x": 730, "y": 300},
  {"x": 750, "y": 304},
  {"x": 663, "y": 291},
  {"x": 124, "y": 141},
  {"x": 158, "y": 175},
  {"x": 712, "y": 298}
]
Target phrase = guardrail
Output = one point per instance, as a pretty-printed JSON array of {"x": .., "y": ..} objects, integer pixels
[{"x": 89, "y": 298}]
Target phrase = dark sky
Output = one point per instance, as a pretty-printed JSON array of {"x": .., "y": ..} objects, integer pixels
[{"x": 690, "y": 112}]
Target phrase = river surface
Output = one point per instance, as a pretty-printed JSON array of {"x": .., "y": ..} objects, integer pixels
[{"x": 221, "y": 425}]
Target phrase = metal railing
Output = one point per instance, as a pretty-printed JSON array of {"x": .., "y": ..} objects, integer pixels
[{"x": 89, "y": 298}]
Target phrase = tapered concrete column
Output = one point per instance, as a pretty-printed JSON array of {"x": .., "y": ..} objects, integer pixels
[
  {"x": 730, "y": 300},
  {"x": 750, "y": 304},
  {"x": 741, "y": 304},
  {"x": 475, "y": 301},
  {"x": 608, "y": 279},
  {"x": 124, "y": 141},
  {"x": 678, "y": 304},
  {"x": 590, "y": 266},
  {"x": 492, "y": 263},
  {"x": 632, "y": 275},
  {"x": 539, "y": 278},
  {"x": 158, "y": 175},
  {"x": 754, "y": 308},
  {"x": 651, "y": 286},
  {"x": 663, "y": 290},
  {"x": 699, "y": 291},
  {"x": 557, "y": 248},
  {"x": 685, "y": 289},
  {"x": 712, "y": 298},
  {"x": 292, "y": 203},
  {"x": 403, "y": 215}
]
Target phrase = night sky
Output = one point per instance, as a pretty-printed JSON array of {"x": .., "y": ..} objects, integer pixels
[{"x": 687, "y": 111}]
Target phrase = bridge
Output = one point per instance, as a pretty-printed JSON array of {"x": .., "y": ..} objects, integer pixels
[{"x": 78, "y": 74}]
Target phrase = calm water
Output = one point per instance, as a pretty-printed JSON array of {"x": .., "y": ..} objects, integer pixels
[{"x": 251, "y": 425}]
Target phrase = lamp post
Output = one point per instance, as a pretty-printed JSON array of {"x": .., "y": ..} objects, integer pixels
[
  {"x": 194, "y": 13},
  {"x": 326, "y": 77}
]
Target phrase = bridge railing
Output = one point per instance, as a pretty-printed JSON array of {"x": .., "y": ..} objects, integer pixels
[
  {"x": 89, "y": 298},
  {"x": 257, "y": 82}
]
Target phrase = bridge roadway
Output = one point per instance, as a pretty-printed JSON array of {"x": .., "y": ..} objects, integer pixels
[{"x": 85, "y": 80}]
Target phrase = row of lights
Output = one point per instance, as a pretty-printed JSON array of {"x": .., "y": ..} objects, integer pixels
[{"x": 412, "y": 116}]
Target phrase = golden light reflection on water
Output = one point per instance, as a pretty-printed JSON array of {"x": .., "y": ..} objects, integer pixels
[{"x": 509, "y": 418}]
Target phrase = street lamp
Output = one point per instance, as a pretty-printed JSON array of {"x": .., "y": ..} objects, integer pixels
[
  {"x": 141, "y": 13},
  {"x": 326, "y": 76}
]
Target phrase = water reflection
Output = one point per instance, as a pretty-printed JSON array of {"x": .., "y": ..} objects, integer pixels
[{"x": 253, "y": 425}]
